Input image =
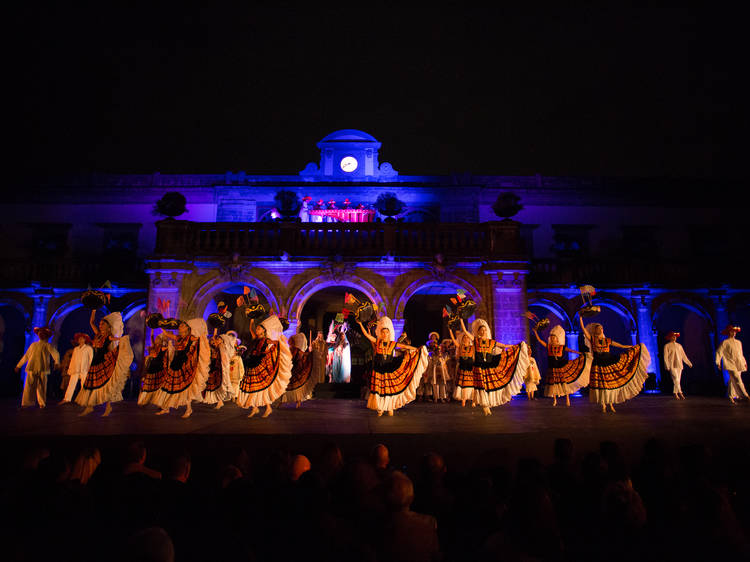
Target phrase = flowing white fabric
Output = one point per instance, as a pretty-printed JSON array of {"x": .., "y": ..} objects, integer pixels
[
  {"x": 505, "y": 394},
  {"x": 631, "y": 389},
  {"x": 388, "y": 403},
  {"x": 112, "y": 391}
]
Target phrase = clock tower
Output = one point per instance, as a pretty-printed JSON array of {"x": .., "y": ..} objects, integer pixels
[{"x": 349, "y": 154}]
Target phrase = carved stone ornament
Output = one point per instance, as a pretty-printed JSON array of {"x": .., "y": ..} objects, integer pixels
[
  {"x": 439, "y": 268},
  {"x": 337, "y": 269}
]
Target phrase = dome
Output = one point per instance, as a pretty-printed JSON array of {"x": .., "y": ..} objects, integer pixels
[{"x": 348, "y": 135}]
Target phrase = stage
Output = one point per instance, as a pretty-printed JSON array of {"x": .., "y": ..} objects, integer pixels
[{"x": 462, "y": 434}]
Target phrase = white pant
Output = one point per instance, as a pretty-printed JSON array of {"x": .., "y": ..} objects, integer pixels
[
  {"x": 35, "y": 390},
  {"x": 72, "y": 385},
  {"x": 736, "y": 386},
  {"x": 676, "y": 375}
]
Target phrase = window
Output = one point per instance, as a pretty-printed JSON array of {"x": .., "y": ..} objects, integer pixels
[
  {"x": 50, "y": 240},
  {"x": 571, "y": 240}
]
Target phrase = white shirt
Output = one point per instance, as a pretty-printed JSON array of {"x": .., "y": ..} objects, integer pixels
[
  {"x": 730, "y": 351},
  {"x": 674, "y": 356},
  {"x": 38, "y": 356},
  {"x": 81, "y": 360}
]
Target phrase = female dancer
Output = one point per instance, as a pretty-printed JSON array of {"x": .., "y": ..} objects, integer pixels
[
  {"x": 236, "y": 370},
  {"x": 563, "y": 377},
  {"x": 319, "y": 353},
  {"x": 466, "y": 385},
  {"x": 184, "y": 377},
  {"x": 110, "y": 366},
  {"x": 395, "y": 378},
  {"x": 268, "y": 367},
  {"x": 154, "y": 368},
  {"x": 218, "y": 384},
  {"x": 341, "y": 368},
  {"x": 500, "y": 367},
  {"x": 614, "y": 378},
  {"x": 303, "y": 380}
]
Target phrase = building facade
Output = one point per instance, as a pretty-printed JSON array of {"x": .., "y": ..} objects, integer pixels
[{"x": 656, "y": 250}]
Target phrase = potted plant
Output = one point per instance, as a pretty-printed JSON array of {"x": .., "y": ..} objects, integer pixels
[
  {"x": 389, "y": 205},
  {"x": 288, "y": 204},
  {"x": 506, "y": 205},
  {"x": 171, "y": 205}
]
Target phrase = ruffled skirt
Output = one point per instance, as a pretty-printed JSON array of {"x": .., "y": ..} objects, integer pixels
[
  {"x": 183, "y": 386},
  {"x": 619, "y": 379},
  {"x": 105, "y": 380},
  {"x": 568, "y": 377},
  {"x": 502, "y": 380},
  {"x": 266, "y": 382},
  {"x": 303, "y": 380},
  {"x": 394, "y": 389}
]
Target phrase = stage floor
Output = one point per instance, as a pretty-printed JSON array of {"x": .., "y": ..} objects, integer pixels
[{"x": 526, "y": 427}]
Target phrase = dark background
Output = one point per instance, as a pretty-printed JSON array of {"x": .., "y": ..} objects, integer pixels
[{"x": 459, "y": 87}]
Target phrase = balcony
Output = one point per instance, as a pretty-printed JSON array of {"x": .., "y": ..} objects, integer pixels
[
  {"x": 491, "y": 240},
  {"x": 69, "y": 273}
]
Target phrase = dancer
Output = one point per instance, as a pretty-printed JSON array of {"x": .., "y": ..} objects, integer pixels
[
  {"x": 614, "y": 379},
  {"x": 437, "y": 373},
  {"x": 466, "y": 385},
  {"x": 219, "y": 385},
  {"x": 500, "y": 367},
  {"x": 341, "y": 367},
  {"x": 563, "y": 377},
  {"x": 154, "y": 368},
  {"x": 79, "y": 364},
  {"x": 674, "y": 357},
  {"x": 268, "y": 367},
  {"x": 730, "y": 352},
  {"x": 236, "y": 370},
  {"x": 64, "y": 364},
  {"x": 394, "y": 379},
  {"x": 448, "y": 352},
  {"x": 531, "y": 379},
  {"x": 319, "y": 353},
  {"x": 184, "y": 376},
  {"x": 110, "y": 365},
  {"x": 37, "y": 359},
  {"x": 303, "y": 381}
]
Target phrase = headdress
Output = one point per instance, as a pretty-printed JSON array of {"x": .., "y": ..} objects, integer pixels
[
  {"x": 43, "y": 332},
  {"x": 82, "y": 335},
  {"x": 590, "y": 328},
  {"x": 197, "y": 327},
  {"x": 559, "y": 333},
  {"x": 273, "y": 327},
  {"x": 300, "y": 341},
  {"x": 429, "y": 336},
  {"x": 115, "y": 323},
  {"x": 725, "y": 331},
  {"x": 477, "y": 324},
  {"x": 385, "y": 322}
]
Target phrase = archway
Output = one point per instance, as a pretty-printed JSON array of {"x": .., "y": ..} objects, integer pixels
[
  {"x": 618, "y": 323},
  {"x": 544, "y": 308},
  {"x": 317, "y": 303},
  {"x": 421, "y": 307},
  {"x": 12, "y": 341},
  {"x": 695, "y": 327},
  {"x": 229, "y": 295}
]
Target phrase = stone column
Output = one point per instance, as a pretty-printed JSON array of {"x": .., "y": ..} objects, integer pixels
[
  {"x": 165, "y": 283},
  {"x": 510, "y": 304},
  {"x": 571, "y": 338},
  {"x": 398, "y": 327},
  {"x": 646, "y": 332},
  {"x": 39, "y": 317},
  {"x": 721, "y": 319}
]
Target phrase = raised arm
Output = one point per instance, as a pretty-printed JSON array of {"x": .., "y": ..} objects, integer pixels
[
  {"x": 573, "y": 351},
  {"x": 453, "y": 337},
  {"x": 170, "y": 335},
  {"x": 464, "y": 330},
  {"x": 615, "y": 344},
  {"x": 93, "y": 324},
  {"x": 366, "y": 333},
  {"x": 404, "y": 346},
  {"x": 583, "y": 328},
  {"x": 538, "y": 338}
]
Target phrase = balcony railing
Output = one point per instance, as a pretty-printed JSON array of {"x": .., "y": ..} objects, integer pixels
[
  {"x": 492, "y": 240},
  {"x": 69, "y": 273}
]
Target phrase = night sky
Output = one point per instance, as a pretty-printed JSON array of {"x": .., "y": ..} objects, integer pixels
[{"x": 459, "y": 88}]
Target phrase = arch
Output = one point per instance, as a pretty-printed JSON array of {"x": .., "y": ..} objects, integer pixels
[
  {"x": 200, "y": 299},
  {"x": 57, "y": 318},
  {"x": 133, "y": 308},
  {"x": 7, "y": 301},
  {"x": 430, "y": 281},
  {"x": 685, "y": 302},
  {"x": 617, "y": 307},
  {"x": 314, "y": 285},
  {"x": 555, "y": 309}
]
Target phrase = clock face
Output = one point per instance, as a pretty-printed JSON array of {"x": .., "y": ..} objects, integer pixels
[{"x": 349, "y": 163}]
